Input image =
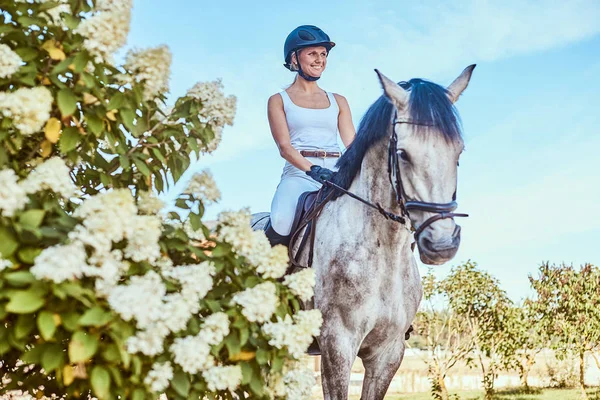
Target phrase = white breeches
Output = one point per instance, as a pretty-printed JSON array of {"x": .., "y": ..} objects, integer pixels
[{"x": 293, "y": 183}]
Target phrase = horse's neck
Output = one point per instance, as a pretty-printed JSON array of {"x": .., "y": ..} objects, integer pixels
[{"x": 373, "y": 184}]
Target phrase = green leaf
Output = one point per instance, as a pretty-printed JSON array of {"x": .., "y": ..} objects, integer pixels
[
  {"x": 32, "y": 218},
  {"x": 142, "y": 167},
  {"x": 246, "y": 372},
  {"x": 95, "y": 124},
  {"x": 19, "y": 278},
  {"x": 116, "y": 101},
  {"x": 180, "y": 383},
  {"x": 138, "y": 394},
  {"x": 8, "y": 243},
  {"x": 46, "y": 325},
  {"x": 69, "y": 139},
  {"x": 25, "y": 302},
  {"x": 124, "y": 161},
  {"x": 95, "y": 317},
  {"x": 34, "y": 356},
  {"x": 128, "y": 116},
  {"x": 232, "y": 342},
  {"x": 67, "y": 102},
  {"x": 100, "y": 380},
  {"x": 159, "y": 155},
  {"x": 262, "y": 356},
  {"x": 195, "y": 221},
  {"x": 27, "y": 53},
  {"x": 80, "y": 61},
  {"x": 69, "y": 320},
  {"x": 82, "y": 347},
  {"x": 28, "y": 254},
  {"x": 53, "y": 357},
  {"x": 25, "y": 324}
]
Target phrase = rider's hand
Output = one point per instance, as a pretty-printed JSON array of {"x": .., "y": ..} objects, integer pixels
[{"x": 320, "y": 174}]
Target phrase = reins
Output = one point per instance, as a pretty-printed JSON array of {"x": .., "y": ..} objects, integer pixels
[{"x": 442, "y": 210}]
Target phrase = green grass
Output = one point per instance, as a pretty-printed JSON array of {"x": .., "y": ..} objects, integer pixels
[{"x": 508, "y": 394}]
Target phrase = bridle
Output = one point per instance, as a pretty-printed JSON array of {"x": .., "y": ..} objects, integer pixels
[{"x": 442, "y": 210}]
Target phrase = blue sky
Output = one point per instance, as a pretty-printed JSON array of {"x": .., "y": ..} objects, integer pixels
[{"x": 530, "y": 177}]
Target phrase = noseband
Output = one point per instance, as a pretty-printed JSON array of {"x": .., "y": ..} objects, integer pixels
[{"x": 442, "y": 210}]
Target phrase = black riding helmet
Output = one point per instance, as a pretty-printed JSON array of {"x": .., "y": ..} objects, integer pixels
[{"x": 301, "y": 37}]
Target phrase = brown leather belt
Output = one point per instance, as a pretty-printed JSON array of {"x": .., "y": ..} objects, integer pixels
[{"x": 320, "y": 153}]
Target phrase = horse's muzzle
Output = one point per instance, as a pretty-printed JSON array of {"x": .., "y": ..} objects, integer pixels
[{"x": 440, "y": 251}]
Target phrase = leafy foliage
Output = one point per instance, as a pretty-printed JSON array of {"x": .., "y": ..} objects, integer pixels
[{"x": 62, "y": 335}]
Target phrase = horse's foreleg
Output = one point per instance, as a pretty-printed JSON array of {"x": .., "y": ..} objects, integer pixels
[
  {"x": 337, "y": 356},
  {"x": 380, "y": 369}
]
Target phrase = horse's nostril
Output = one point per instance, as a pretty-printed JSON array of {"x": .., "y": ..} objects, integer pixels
[{"x": 426, "y": 244}]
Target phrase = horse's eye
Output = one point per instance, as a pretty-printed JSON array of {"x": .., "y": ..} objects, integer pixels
[
  {"x": 458, "y": 163},
  {"x": 403, "y": 155}
]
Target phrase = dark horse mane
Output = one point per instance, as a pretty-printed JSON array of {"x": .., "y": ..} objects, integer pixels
[{"x": 428, "y": 104}]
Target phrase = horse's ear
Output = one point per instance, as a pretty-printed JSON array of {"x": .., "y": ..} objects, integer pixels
[
  {"x": 393, "y": 91},
  {"x": 460, "y": 84}
]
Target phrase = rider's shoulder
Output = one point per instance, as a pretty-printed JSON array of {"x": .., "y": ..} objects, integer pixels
[
  {"x": 275, "y": 99},
  {"x": 340, "y": 99}
]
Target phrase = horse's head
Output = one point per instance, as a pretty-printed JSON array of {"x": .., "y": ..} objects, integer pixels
[{"x": 424, "y": 162}]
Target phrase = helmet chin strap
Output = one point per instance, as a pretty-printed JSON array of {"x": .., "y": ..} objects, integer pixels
[{"x": 302, "y": 74}]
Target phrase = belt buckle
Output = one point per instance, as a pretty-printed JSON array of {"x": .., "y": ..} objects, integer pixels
[{"x": 324, "y": 153}]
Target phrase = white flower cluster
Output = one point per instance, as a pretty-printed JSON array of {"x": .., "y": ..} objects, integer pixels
[
  {"x": 203, "y": 186},
  {"x": 60, "y": 263},
  {"x": 10, "y": 62},
  {"x": 215, "y": 328},
  {"x": 12, "y": 196},
  {"x": 152, "y": 67},
  {"x": 106, "y": 31},
  {"x": 216, "y": 108},
  {"x": 110, "y": 217},
  {"x": 29, "y": 108},
  {"x": 157, "y": 313},
  {"x": 52, "y": 175},
  {"x": 142, "y": 238},
  {"x": 55, "y": 13},
  {"x": 296, "y": 335},
  {"x": 4, "y": 264},
  {"x": 302, "y": 283},
  {"x": 193, "y": 234},
  {"x": 295, "y": 382},
  {"x": 223, "y": 377},
  {"x": 192, "y": 353},
  {"x": 149, "y": 204},
  {"x": 234, "y": 228},
  {"x": 159, "y": 376},
  {"x": 258, "y": 303}
]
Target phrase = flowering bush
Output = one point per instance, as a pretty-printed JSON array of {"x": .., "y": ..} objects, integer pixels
[{"x": 102, "y": 294}]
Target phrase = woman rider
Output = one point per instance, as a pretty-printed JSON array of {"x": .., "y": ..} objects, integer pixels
[{"x": 305, "y": 121}]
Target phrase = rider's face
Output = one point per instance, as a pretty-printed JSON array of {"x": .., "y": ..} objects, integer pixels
[{"x": 312, "y": 59}]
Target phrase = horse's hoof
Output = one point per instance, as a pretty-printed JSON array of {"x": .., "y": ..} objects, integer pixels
[{"x": 314, "y": 349}]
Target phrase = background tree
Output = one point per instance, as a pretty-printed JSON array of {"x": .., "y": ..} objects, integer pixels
[
  {"x": 476, "y": 297},
  {"x": 522, "y": 342},
  {"x": 568, "y": 307},
  {"x": 99, "y": 291},
  {"x": 447, "y": 341}
]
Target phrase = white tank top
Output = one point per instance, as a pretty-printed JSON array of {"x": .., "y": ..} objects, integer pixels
[{"x": 312, "y": 129}]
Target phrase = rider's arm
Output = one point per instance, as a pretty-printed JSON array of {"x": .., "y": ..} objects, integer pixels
[
  {"x": 345, "y": 124},
  {"x": 281, "y": 134}
]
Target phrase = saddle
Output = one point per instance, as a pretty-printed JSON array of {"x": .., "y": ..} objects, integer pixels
[{"x": 308, "y": 209}]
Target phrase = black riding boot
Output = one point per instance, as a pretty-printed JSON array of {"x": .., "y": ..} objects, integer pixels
[{"x": 275, "y": 238}]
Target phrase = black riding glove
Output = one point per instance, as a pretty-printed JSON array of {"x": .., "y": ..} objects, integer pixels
[{"x": 320, "y": 174}]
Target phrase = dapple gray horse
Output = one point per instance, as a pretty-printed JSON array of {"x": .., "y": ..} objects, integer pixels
[{"x": 405, "y": 159}]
